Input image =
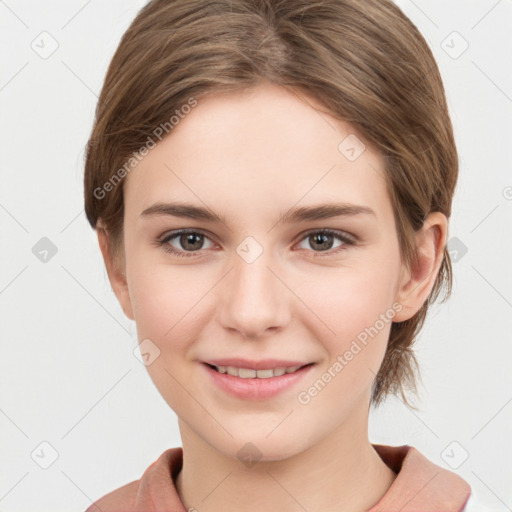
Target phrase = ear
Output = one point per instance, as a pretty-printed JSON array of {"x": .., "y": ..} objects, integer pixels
[
  {"x": 417, "y": 283},
  {"x": 116, "y": 272}
]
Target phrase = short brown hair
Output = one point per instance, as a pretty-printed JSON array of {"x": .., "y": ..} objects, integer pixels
[{"x": 364, "y": 60}]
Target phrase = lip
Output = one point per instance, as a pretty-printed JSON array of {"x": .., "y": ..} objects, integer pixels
[
  {"x": 262, "y": 364},
  {"x": 256, "y": 389}
]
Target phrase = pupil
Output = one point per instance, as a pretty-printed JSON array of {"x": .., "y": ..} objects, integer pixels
[
  {"x": 322, "y": 239},
  {"x": 189, "y": 239}
]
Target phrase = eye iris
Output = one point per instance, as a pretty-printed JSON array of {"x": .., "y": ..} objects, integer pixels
[
  {"x": 187, "y": 241},
  {"x": 321, "y": 238}
]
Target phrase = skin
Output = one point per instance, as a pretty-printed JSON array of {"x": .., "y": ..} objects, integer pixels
[{"x": 251, "y": 157}]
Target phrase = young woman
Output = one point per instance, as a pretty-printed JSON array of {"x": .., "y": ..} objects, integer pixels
[{"x": 271, "y": 183}]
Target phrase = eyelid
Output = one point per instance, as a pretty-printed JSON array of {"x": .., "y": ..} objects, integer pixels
[
  {"x": 347, "y": 239},
  {"x": 334, "y": 232},
  {"x": 169, "y": 235}
]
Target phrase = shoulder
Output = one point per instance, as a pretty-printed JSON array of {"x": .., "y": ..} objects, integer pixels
[
  {"x": 153, "y": 491},
  {"x": 420, "y": 484},
  {"x": 118, "y": 500}
]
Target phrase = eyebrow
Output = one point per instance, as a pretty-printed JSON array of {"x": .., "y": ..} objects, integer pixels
[{"x": 294, "y": 215}]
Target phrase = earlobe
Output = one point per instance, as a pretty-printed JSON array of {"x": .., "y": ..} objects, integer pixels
[
  {"x": 417, "y": 282},
  {"x": 116, "y": 274}
]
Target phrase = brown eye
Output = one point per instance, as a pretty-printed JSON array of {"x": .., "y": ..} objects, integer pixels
[
  {"x": 191, "y": 241},
  {"x": 323, "y": 240},
  {"x": 185, "y": 243}
]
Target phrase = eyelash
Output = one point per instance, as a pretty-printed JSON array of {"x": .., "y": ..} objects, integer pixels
[{"x": 163, "y": 242}]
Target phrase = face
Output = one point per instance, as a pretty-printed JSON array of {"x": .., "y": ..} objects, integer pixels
[{"x": 262, "y": 281}]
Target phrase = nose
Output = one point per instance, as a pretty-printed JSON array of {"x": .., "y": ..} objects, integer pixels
[{"x": 254, "y": 300}]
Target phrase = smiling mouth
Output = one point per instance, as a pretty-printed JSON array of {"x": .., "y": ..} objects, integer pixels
[{"x": 248, "y": 373}]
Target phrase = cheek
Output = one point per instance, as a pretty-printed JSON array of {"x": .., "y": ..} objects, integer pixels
[
  {"x": 165, "y": 304},
  {"x": 352, "y": 314},
  {"x": 348, "y": 301},
  {"x": 166, "y": 312}
]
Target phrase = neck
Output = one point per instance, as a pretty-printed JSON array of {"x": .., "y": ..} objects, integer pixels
[{"x": 340, "y": 472}]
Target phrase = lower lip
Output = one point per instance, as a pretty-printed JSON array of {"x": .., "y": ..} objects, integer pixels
[{"x": 256, "y": 389}]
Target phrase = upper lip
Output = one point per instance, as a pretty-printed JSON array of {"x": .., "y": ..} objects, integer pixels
[{"x": 262, "y": 364}]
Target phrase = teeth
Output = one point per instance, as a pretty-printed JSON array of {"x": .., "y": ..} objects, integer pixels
[
  {"x": 261, "y": 374},
  {"x": 232, "y": 371},
  {"x": 246, "y": 373}
]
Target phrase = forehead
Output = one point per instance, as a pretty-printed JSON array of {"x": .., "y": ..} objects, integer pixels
[{"x": 265, "y": 149}]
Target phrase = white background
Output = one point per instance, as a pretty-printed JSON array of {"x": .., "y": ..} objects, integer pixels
[{"x": 68, "y": 376}]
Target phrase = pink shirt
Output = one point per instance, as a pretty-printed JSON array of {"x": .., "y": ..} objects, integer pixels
[{"x": 420, "y": 486}]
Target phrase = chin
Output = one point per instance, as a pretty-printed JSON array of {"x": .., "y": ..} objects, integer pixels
[{"x": 252, "y": 449}]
